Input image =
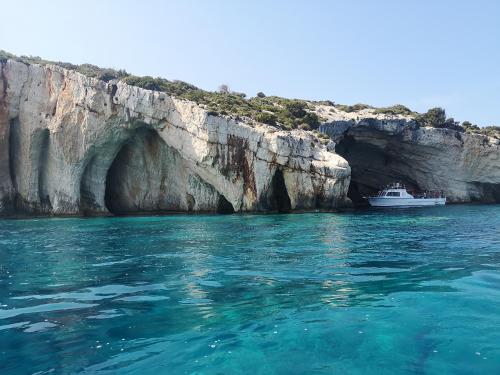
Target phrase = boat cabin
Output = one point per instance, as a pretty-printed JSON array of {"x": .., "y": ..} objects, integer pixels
[{"x": 395, "y": 191}]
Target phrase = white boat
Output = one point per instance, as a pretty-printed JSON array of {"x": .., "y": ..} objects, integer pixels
[{"x": 395, "y": 195}]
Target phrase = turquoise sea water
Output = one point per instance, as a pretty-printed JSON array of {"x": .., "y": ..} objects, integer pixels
[{"x": 409, "y": 291}]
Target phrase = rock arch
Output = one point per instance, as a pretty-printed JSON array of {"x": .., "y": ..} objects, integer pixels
[
  {"x": 92, "y": 182},
  {"x": 139, "y": 172},
  {"x": 96, "y": 163},
  {"x": 141, "y": 175}
]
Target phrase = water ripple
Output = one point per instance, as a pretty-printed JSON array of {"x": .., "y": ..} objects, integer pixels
[{"x": 362, "y": 292}]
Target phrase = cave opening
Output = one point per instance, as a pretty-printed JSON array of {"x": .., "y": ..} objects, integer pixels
[
  {"x": 112, "y": 194},
  {"x": 224, "y": 206},
  {"x": 101, "y": 181},
  {"x": 490, "y": 192},
  {"x": 139, "y": 178},
  {"x": 115, "y": 198},
  {"x": 148, "y": 176},
  {"x": 279, "y": 199},
  {"x": 373, "y": 166}
]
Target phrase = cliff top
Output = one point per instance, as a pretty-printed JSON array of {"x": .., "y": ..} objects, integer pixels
[{"x": 276, "y": 111}]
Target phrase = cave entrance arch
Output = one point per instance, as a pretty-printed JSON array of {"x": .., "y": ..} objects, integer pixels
[
  {"x": 146, "y": 175},
  {"x": 279, "y": 200},
  {"x": 373, "y": 166},
  {"x": 136, "y": 178}
]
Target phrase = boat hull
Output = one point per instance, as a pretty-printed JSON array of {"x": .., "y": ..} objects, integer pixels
[{"x": 405, "y": 202}]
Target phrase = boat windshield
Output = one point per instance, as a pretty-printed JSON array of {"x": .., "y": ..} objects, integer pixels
[{"x": 394, "y": 194}]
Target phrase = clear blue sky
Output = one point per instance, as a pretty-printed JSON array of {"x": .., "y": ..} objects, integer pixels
[{"x": 419, "y": 53}]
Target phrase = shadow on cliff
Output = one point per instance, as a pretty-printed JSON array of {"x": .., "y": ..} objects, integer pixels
[{"x": 30, "y": 167}]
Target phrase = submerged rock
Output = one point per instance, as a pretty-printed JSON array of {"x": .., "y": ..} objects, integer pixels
[{"x": 71, "y": 144}]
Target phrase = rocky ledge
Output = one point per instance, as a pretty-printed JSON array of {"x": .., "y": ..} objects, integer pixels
[
  {"x": 70, "y": 144},
  {"x": 385, "y": 148}
]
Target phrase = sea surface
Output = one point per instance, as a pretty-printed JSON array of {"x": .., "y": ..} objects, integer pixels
[{"x": 401, "y": 291}]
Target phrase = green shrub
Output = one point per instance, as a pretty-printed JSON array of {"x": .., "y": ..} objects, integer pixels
[
  {"x": 296, "y": 108},
  {"x": 326, "y": 102},
  {"x": 4, "y": 56},
  {"x": 311, "y": 119},
  {"x": 224, "y": 89},
  {"x": 468, "y": 125},
  {"x": 352, "y": 108},
  {"x": 266, "y": 118},
  {"x": 147, "y": 82},
  {"x": 397, "y": 109},
  {"x": 434, "y": 117},
  {"x": 450, "y": 123},
  {"x": 490, "y": 131}
]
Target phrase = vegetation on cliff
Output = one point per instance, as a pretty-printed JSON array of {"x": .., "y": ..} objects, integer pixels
[
  {"x": 272, "y": 110},
  {"x": 436, "y": 118},
  {"x": 396, "y": 110},
  {"x": 491, "y": 131},
  {"x": 352, "y": 108},
  {"x": 104, "y": 74}
]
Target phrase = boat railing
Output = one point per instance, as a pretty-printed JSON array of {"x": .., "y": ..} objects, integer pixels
[{"x": 427, "y": 194}]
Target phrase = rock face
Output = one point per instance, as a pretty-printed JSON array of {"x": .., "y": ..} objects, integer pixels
[
  {"x": 382, "y": 149},
  {"x": 70, "y": 144}
]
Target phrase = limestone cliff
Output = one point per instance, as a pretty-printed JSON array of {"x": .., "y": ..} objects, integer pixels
[
  {"x": 70, "y": 144},
  {"x": 384, "y": 148}
]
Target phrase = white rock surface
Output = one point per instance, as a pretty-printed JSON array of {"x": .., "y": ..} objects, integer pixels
[{"x": 70, "y": 144}]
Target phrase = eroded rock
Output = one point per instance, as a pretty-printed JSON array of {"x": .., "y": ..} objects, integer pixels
[
  {"x": 382, "y": 149},
  {"x": 70, "y": 144}
]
